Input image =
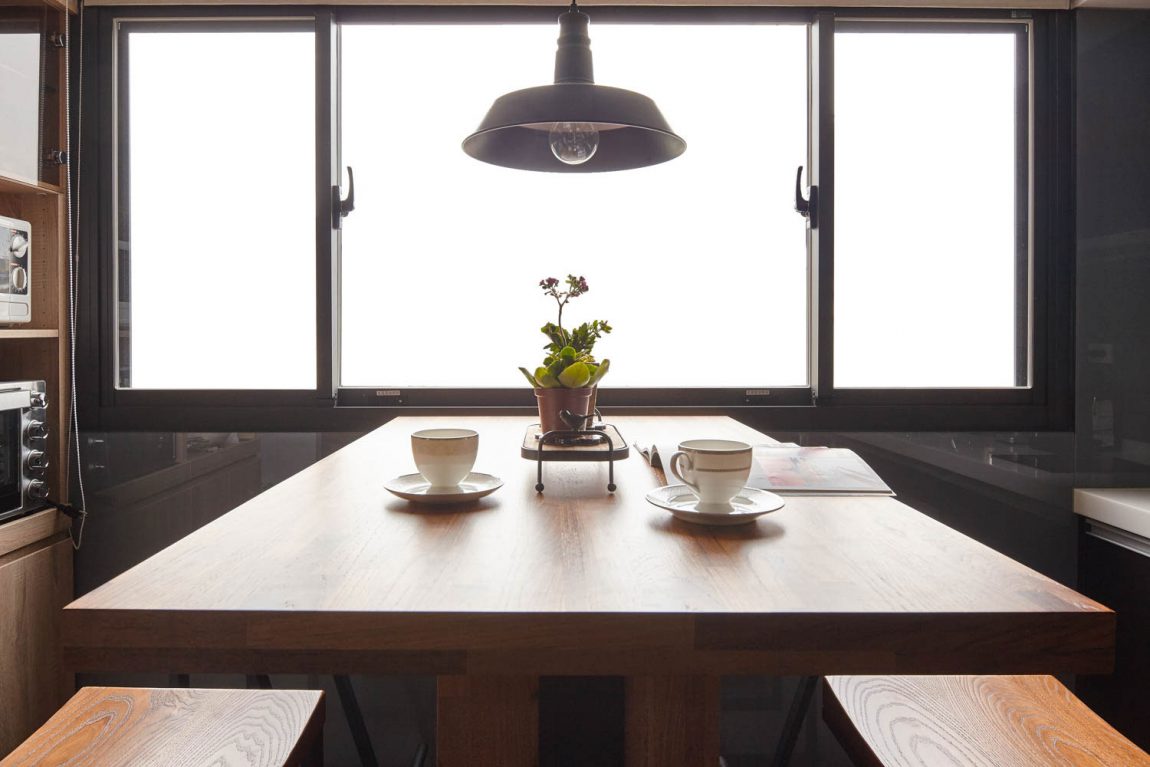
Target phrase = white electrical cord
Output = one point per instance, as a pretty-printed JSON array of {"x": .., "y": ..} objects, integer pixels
[{"x": 73, "y": 417}]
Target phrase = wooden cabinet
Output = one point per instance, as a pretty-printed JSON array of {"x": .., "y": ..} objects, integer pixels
[
  {"x": 35, "y": 553},
  {"x": 37, "y": 350},
  {"x": 1119, "y": 574},
  {"x": 35, "y": 584}
]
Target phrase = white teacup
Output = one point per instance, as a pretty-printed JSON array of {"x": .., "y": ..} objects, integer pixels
[
  {"x": 716, "y": 469},
  {"x": 444, "y": 456}
]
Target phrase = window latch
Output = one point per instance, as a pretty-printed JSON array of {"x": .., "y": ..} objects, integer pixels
[
  {"x": 340, "y": 206},
  {"x": 807, "y": 208}
]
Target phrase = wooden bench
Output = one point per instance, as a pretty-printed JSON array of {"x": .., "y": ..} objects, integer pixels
[
  {"x": 133, "y": 727},
  {"x": 976, "y": 721}
]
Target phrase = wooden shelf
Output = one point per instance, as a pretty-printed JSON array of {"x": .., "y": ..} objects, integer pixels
[
  {"x": 26, "y": 531},
  {"x": 6, "y": 333},
  {"x": 71, "y": 6},
  {"x": 19, "y": 186}
]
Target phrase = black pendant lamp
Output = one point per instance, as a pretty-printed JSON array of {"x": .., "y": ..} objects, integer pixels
[{"x": 574, "y": 126}]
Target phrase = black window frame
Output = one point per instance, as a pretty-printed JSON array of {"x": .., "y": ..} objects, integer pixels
[
  {"x": 827, "y": 391},
  {"x": 1045, "y": 405}
]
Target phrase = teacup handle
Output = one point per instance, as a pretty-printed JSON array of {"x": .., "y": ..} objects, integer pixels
[{"x": 673, "y": 464}]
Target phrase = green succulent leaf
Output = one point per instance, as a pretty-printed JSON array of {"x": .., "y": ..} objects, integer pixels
[
  {"x": 530, "y": 378},
  {"x": 556, "y": 335},
  {"x": 576, "y": 375},
  {"x": 599, "y": 372},
  {"x": 583, "y": 338}
]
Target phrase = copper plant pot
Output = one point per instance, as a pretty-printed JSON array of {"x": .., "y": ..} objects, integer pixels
[{"x": 551, "y": 401}]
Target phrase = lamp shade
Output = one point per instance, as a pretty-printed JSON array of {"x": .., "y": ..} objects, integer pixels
[{"x": 518, "y": 129}]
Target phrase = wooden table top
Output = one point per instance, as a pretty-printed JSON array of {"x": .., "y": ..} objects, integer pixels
[{"x": 329, "y": 572}]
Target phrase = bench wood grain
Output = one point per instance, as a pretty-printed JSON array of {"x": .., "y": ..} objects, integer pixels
[
  {"x": 133, "y": 727},
  {"x": 970, "y": 721}
]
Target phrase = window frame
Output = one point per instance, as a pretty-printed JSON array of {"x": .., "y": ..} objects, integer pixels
[
  {"x": 1026, "y": 330},
  {"x": 97, "y": 342},
  {"x": 121, "y": 174},
  {"x": 1044, "y": 223},
  {"x": 1046, "y": 404}
]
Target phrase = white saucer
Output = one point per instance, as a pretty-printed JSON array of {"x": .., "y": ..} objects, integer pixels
[
  {"x": 413, "y": 487},
  {"x": 750, "y": 504}
]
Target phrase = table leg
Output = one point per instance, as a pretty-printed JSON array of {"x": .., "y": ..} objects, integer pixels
[
  {"x": 672, "y": 721},
  {"x": 797, "y": 714},
  {"x": 355, "y": 722},
  {"x": 314, "y": 757},
  {"x": 487, "y": 720}
]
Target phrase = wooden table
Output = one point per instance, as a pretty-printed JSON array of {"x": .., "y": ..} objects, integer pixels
[{"x": 327, "y": 572}]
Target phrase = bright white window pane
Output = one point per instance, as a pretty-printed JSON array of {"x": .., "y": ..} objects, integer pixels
[
  {"x": 221, "y": 245},
  {"x": 925, "y": 251},
  {"x": 699, "y": 264}
]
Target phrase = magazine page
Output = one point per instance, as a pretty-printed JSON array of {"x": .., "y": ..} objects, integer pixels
[
  {"x": 658, "y": 455},
  {"x": 814, "y": 471}
]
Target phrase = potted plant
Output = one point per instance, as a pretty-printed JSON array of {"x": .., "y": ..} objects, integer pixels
[{"x": 569, "y": 375}]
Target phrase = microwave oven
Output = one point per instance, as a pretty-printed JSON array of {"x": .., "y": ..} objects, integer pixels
[
  {"x": 15, "y": 270},
  {"x": 23, "y": 447}
]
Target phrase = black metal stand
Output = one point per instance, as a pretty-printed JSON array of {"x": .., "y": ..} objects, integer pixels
[
  {"x": 582, "y": 442},
  {"x": 583, "y": 438}
]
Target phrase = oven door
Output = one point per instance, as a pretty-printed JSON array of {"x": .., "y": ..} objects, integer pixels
[{"x": 11, "y": 430}]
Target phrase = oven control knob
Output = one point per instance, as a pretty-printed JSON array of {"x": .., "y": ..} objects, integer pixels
[
  {"x": 37, "y": 490},
  {"x": 36, "y": 460},
  {"x": 39, "y": 399},
  {"x": 19, "y": 279},
  {"x": 35, "y": 431},
  {"x": 19, "y": 245}
]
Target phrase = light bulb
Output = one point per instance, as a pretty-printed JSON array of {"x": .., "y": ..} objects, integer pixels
[{"x": 573, "y": 143}]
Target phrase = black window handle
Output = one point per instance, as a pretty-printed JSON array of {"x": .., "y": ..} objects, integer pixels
[
  {"x": 807, "y": 208},
  {"x": 340, "y": 207}
]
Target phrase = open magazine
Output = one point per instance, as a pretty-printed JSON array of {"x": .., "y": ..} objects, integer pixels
[{"x": 796, "y": 470}]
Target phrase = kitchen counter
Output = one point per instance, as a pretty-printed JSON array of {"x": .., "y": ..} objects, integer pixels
[
  {"x": 1127, "y": 509},
  {"x": 1041, "y": 468}
]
